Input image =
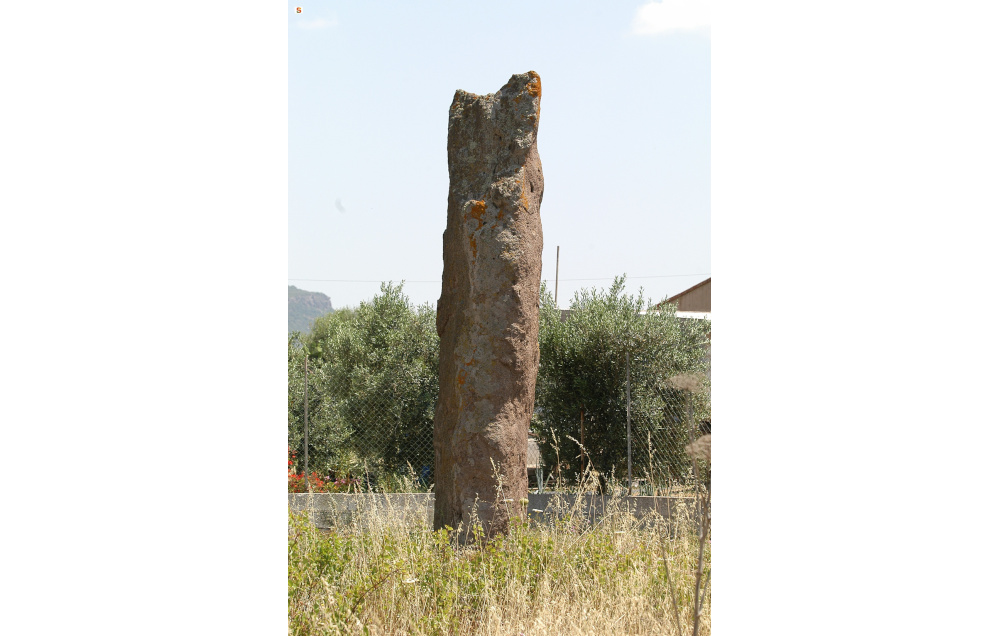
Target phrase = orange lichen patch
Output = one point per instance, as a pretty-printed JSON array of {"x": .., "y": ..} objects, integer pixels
[
  {"x": 471, "y": 362},
  {"x": 460, "y": 378},
  {"x": 535, "y": 87},
  {"x": 477, "y": 209}
]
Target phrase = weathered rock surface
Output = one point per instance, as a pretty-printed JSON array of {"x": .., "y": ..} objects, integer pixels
[{"x": 488, "y": 311}]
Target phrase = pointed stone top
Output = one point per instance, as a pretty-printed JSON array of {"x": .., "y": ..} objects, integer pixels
[{"x": 505, "y": 121}]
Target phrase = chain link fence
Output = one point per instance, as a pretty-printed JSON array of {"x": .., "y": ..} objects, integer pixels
[
  {"x": 368, "y": 394},
  {"x": 641, "y": 439},
  {"x": 667, "y": 439},
  {"x": 367, "y": 430},
  {"x": 381, "y": 437}
]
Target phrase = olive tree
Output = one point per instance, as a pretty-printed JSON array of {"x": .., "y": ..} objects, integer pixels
[
  {"x": 582, "y": 382},
  {"x": 380, "y": 365},
  {"x": 328, "y": 434}
]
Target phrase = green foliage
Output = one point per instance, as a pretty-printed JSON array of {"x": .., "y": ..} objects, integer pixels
[
  {"x": 380, "y": 379},
  {"x": 328, "y": 433},
  {"x": 583, "y": 370},
  {"x": 374, "y": 386}
]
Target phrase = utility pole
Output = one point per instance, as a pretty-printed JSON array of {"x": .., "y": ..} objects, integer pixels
[{"x": 557, "y": 277}]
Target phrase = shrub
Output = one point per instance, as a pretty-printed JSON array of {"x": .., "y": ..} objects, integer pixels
[
  {"x": 380, "y": 382},
  {"x": 583, "y": 371}
]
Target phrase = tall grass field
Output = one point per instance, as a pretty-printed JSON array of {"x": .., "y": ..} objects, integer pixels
[{"x": 553, "y": 574}]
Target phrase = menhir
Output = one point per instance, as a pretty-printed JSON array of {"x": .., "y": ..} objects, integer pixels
[{"x": 488, "y": 312}]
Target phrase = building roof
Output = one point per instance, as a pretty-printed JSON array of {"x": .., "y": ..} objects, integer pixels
[
  {"x": 702, "y": 298},
  {"x": 690, "y": 289}
]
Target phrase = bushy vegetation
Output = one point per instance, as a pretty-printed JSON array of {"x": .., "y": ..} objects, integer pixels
[
  {"x": 375, "y": 373},
  {"x": 560, "y": 575},
  {"x": 582, "y": 382},
  {"x": 329, "y": 434},
  {"x": 374, "y": 382}
]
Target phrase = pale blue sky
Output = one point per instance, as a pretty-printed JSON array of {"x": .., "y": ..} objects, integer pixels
[{"x": 624, "y": 138}]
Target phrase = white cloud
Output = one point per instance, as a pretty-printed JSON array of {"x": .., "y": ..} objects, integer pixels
[
  {"x": 316, "y": 23},
  {"x": 672, "y": 15}
]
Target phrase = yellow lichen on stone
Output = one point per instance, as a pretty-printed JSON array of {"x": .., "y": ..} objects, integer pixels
[{"x": 535, "y": 87}]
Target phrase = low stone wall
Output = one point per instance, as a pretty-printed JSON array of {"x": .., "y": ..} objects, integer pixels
[
  {"x": 417, "y": 509},
  {"x": 329, "y": 509}
]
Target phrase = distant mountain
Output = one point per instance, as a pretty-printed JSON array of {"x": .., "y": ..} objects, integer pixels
[{"x": 304, "y": 307}]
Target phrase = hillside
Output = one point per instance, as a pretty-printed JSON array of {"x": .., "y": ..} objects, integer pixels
[{"x": 304, "y": 307}]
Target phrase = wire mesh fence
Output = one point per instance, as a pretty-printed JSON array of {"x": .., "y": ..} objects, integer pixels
[
  {"x": 379, "y": 436},
  {"x": 365, "y": 429},
  {"x": 645, "y": 447},
  {"x": 667, "y": 439},
  {"x": 632, "y": 409}
]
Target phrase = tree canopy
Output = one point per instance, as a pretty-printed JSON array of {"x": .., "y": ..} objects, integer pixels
[
  {"x": 379, "y": 380},
  {"x": 373, "y": 385},
  {"x": 583, "y": 374}
]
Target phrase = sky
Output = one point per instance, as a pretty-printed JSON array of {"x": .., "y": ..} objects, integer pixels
[{"x": 624, "y": 138}]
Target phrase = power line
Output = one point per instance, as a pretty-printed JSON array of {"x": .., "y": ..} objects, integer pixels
[
  {"x": 336, "y": 280},
  {"x": 634, "y": 277},
  {"x": 339, "y": 280}
]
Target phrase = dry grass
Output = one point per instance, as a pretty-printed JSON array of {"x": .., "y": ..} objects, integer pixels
[{"x": 554, "y": 575}]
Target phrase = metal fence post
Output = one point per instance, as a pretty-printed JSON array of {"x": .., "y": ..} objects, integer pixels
[
  {"x": 305, "y": 442},
  {"x": 628, "y": 417}
]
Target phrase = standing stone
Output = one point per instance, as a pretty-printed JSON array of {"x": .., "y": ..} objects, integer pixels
[{"x": 488, "y": 312}]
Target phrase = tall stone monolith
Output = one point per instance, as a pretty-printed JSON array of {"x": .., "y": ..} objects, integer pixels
[{"x": 488, "y": 312}]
